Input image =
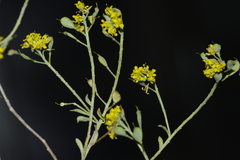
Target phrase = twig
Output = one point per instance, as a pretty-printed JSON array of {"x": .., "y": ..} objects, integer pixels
[{"x": 25, "y": 124}]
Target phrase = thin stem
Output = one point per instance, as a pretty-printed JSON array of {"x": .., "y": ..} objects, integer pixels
[
  {"x": 110, "y": 71},
  {"x": 117, "y": 72},
  {"x": 143, "y": 151},
  {"x": 64, "y": 81},
  {"x": 87, "y": 145},
  {"x": 26, "y": 125},
  {"x": 18, "y": 22},
  {"x": 185, "y": 121},
  {"x": 163, "y": 109}
]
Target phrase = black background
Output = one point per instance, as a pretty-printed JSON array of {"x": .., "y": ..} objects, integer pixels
[{"x": 164, "y": 34}]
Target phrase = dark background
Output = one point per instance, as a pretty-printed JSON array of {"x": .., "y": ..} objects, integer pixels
[{"x": 166, "y": 35}]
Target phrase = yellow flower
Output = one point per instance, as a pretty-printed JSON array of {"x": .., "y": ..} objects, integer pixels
[
  {"x": 36, "y": 41},
  {"x": 80, "y": 5},
  {"x": 78, "y": 18},
  {"x": 1, "y": 49},
  {"x": 82, "y": 8},
  {"x": 113, "y": 21},
  {"x": 213, "y": 66},
  {"x": 142, "y": 74},
  {"x": 1, "y": 56},
  {"x": 111, "y": 120},
  {"x": 213, "y": 49}
]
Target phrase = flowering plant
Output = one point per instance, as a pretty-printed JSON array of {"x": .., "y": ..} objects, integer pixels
[{"x": 112, "y": 114}]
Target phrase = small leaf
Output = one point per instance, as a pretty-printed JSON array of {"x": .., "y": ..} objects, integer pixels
[
  {"x": 79, "y": 111},
  {"x": 66, "y": 22},
  {"x": 106, "y": 33},
  {"x": 94, "y": 138},
  {"x": 12, "y": 52},
  {"x": 87, "y": 100},
  {"x": 137, "y": 134},
  {"x": 116, "y": 97},
  {"x": 139, "y": 117},
  {"x": 99, "y": 113},
  {"x": 232, "y": 68},
  {"x": 96, "y": 10},
  {"x": 122, "y": 113},
  {"x": 50, "y": 44},
  {"x": 160, "y": 142},
  {"x": 119, "y": 131},
  {"x": 70, "y": 35},
  {"x": 203, "y": 56},
  {"x": 82, "y": 119},
  {"x": 79, "y": 144}
]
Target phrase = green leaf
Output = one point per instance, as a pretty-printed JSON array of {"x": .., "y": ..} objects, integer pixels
[
  {"x": 137, "y": 134},
  {"x": 94, "y": 138},
  {"x": 119, "y": 131},
  {"x": 160, "y": 142},
  {"x": 87, "y": 100},
  {"x": 139, "y": 117},
  {"x": 232, "y": 67},
  {"x": 82, "y": 119},
  {"x": 66, "y": 22},
  {"x": 203, "y": 56},
  {"x": 99, "y": 113},
  {"x": 50, "y": 44},
  {"x": 122, "y": 113},
  {"x": 79, "y": 111},
  {"x": 79, "y": 144},
  {"x": 93, "y": 16}
]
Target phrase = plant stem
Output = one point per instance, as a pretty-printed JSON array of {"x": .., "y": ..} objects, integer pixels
[
  {"x": 87, "y": 145},
  {"x": 163, "y": 109},
  {"x": 117, "y": 72},
  {"x": 143, "y": 151},
  {"x": 18, "y": 22},
  {"x": 26, "y": 125},
  {"x": 64, "y": 81},
  {"x": 185, "y": 121}
]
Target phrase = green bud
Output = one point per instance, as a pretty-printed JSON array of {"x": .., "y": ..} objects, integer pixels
[{"x": 102, "y": 60}]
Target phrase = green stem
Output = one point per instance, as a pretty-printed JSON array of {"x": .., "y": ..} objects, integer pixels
[
  {"x": 87, "y": 146},
  {"x": 143, "y": 151},
  {"x": 18, "y": 22},
  {"x": 63, "y": 81},
  {"x": 117, "y": 73},
  {"x": 185, "y": 121},
  {"x": 163, "y": 109}
]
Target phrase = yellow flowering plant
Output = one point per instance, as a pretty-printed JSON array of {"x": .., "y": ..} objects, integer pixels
[{"x": 111, "y": 117}]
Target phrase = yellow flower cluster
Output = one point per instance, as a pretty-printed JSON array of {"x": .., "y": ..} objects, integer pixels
[
  {"x": 142, "y": 74},
  {"x": 113, "y": 20},
  {"x": 213, "y": 66},
  {"x": 1, "y": 50},
  {"x": 36, "y": 41},
  {"x": 111, "y": 120}
]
